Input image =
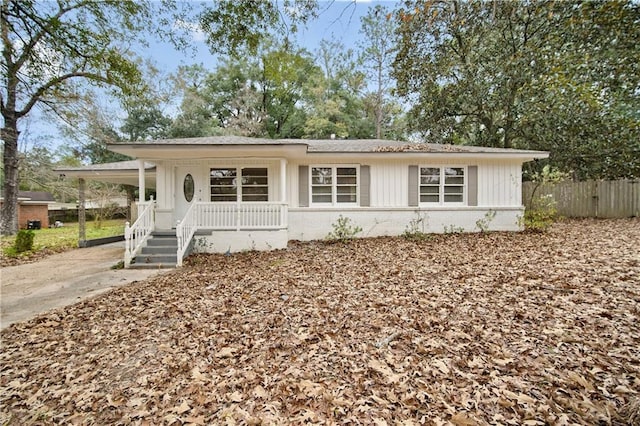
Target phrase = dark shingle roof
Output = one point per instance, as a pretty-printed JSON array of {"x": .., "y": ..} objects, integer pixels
[
  {"x": 36, "y": 196},
  {"x": 329, "y": 145}
]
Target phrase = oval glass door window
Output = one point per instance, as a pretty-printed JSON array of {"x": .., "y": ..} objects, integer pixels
[{"x": 188, "y": 187}]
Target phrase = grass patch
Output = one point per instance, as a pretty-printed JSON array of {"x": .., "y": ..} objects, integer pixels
[{"x": 59, "y": 239}]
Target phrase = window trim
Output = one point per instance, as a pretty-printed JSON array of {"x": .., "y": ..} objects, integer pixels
[
  {"x": 334, "y": 185},
  {"x": 442, "y": 185},
  {"x": 239, "y": 186}
]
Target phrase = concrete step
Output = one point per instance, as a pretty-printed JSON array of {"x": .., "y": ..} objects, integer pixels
[
  {"x": 159, "y": 249},
  {"x": 152, "y": 265},
  {"x": 162, "y": 241},
  {"x": 159, "y": 252}
]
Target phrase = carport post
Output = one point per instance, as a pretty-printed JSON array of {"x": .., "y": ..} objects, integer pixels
[{"x": 82, "y": 235}]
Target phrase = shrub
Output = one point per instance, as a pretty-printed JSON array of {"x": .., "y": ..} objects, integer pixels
[
  {"x": 483, "y": 224},
  {"x": 24, "y": 241},
  {"x": 343, "y": 230},
  {"x": 415, "y": 229},
  {"x": 452, "y": 229},
  {"x": 541, "y": 215}
]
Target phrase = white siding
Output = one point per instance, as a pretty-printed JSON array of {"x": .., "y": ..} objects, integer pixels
[
  {"x": 499, "y": 184},
  {"x": 389, "y": 183}
]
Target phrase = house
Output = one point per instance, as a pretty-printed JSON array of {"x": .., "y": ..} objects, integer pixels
[
  {"x": 33, "y": 209},
  {"x": 230, "y": 193}
]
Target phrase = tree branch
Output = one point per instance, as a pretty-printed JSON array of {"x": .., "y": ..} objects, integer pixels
[{"x": 54, "y": 82}]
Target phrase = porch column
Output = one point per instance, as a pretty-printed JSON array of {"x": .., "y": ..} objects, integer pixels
[
  {"x": 283, "y": 180},
  {"x": 141, "y": 188},
  {"x": 82, "y": 217}
]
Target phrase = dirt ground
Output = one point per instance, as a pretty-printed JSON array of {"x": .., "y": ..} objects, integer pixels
[
  {"x": 62, "y": 279},
  {"x": 458, "y": 329}
]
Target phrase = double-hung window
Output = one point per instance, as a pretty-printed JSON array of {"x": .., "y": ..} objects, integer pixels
[
  {"x": 442, "y": 185},
  {"x": 233, "y": 184},
  {"x": 332, "y": 185}
]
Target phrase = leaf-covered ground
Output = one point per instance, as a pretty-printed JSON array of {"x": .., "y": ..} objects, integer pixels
[{"x": 498, "y": 328}]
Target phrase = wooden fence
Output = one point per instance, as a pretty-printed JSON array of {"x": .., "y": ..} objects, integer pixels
[{"x": 606, "y": 199}]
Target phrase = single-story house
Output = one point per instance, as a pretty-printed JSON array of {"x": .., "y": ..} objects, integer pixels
[
  {"x": 33, "y": 209},
  {"x": 231, "y": 193}
]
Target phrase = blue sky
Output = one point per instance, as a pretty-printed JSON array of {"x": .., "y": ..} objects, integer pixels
[{"x": 339, "y": 19}]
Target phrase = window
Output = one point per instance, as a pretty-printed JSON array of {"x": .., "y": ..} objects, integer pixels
[
  {"x": 253, "y": 184},
  {"x": 334, "y": 185},
  {"x": 188, "y": 188},
  {"x": 442, "y": 185}
]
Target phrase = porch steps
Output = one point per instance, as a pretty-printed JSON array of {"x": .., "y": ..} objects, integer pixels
[{"x": 160, "y": 251}]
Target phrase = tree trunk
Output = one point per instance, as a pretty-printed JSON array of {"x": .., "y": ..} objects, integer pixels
[{"x": 9, "y": 218}]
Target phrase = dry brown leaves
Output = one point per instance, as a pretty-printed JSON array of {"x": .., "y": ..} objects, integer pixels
[
  {"x": 499, "y": 328},
  {"x": 420, "y": 147}
]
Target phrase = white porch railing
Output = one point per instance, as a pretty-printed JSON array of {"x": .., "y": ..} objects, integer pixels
[
  {"x": 229, "y": 216},
  {"x": 136, "y": 234},
  {"x": 185, "y": 230}
]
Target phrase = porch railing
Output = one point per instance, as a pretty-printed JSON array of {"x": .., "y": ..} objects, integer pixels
[
  {"x": 229, "y": 216},
  {"x": 136, "y": 234},
  {"x": 185, "y": 230}
]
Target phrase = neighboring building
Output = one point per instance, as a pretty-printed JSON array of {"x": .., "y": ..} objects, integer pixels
[
  {"x": 33, "y": 209},
  {"x": 239, "y": 193}
]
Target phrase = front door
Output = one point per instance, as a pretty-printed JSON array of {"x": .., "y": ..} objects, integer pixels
[{"x": 186, "y": 191}]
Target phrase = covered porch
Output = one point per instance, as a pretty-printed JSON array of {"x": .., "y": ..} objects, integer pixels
[{"x": 232, "y": 203}]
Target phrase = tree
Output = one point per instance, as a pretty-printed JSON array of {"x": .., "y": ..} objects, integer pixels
[
  {"x": 376, "y": 55},
  {"x": 337, "y": 105},
  {"x": 286, "y": 75},
  {"x": 232, "y": 26},
  {"x": 558, "y": 76},
  {"x": 49, "y": 50}
]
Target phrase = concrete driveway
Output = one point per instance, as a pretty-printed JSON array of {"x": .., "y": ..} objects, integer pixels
[{"x": 63, "y": 279}]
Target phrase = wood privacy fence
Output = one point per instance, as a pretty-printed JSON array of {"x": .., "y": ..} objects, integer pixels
[{"x": 592, "y": 198}]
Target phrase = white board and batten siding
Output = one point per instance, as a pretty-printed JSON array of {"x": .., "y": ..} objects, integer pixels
[{"x": 390, "y": 210}]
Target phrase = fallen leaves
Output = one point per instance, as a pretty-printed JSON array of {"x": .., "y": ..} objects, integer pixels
[{"x": 497, "y": 328}]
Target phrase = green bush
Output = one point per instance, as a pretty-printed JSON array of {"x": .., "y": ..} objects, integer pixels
[
  {"x": 415, "y": 229},
  {"x": 343, "y": 230},
  {"x": 24, "y": 241},
  {"x": 484, "y": 223},
  {"x": 541, "y": 215}
]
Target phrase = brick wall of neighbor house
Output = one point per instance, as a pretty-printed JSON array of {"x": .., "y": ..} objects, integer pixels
[{"x": 33, "y": 212}]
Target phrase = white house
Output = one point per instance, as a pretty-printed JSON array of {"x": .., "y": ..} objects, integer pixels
[{"x": 229, "y": 193}]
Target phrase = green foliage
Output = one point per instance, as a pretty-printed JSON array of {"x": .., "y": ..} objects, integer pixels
[
  {"x": 484, "y": 223},
  {"x": 541, "y": 215},
  {"x": 548, "y": 174},
  {"x": 64, "y": 238},
  {"x": 541, "y": 212},
  {"x": 453, "y": 229},
  {"x": 52, "y": 52},
  {"x": 232, "y": 26},
  {"x": 415, "y": 229},
  {"x": 376, "y": 57},
  {"x": 556, "y": 76},
  {"x": 343, "y": 230},
  {"x": 24, "y": 241}
]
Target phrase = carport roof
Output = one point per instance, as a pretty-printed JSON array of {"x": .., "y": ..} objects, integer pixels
[{"x": 121, "y": 172}]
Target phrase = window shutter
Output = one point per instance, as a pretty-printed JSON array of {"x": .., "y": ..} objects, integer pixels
[
  {"x": 472, "y": 185},
  {"x": 303, "y": 186},
  {"x": 413, "y": 186},
  {"x": 365, "y": 186}
]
